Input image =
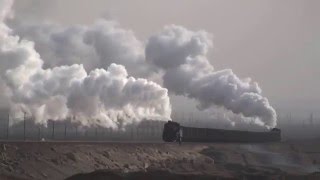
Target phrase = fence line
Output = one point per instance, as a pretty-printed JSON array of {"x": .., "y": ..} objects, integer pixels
[{"x": 27, "y": 130}]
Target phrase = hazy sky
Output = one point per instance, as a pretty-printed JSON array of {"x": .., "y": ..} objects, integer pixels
[{"x": 276, "y": 43}]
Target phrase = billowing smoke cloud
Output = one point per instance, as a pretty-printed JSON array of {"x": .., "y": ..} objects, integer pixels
[
  {"x": 181, "y": 54},
  {"x": 94, "y": 46},
  {"x": 77, "y": 74},
  {"x": 106, "y": 97}
]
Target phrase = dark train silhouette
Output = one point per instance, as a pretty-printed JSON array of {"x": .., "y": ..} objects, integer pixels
[{"x": 174, "y": 132}]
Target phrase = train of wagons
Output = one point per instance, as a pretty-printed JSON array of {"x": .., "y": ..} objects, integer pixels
[{"x": 174, "y": 132}]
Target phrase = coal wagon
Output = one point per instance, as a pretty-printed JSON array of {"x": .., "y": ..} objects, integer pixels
[{"x": 174, "y": 132}]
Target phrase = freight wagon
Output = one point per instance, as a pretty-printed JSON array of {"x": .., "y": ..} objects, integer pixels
[{"x": 174, "y": 132}]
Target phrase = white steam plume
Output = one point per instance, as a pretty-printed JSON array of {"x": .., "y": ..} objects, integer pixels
[
  {"x": 178, "y": 54},
  {"x": 95, "y": 46},
  {"x": 101, "y": 97},
  {"x": 181, "y": 54}
]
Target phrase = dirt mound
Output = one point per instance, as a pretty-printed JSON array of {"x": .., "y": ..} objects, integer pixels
[{"x": 59, "y": 160}]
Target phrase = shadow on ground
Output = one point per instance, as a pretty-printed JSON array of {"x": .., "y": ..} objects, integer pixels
[
  {"x": 161, "y": 175},
  {"x": 246, "y": 165}
]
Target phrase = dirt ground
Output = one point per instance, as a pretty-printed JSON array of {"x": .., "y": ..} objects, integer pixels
[{"x": 83, "y": 160}]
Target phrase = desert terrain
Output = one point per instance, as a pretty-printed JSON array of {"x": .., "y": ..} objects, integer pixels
[{"x": 118, "y": 160}]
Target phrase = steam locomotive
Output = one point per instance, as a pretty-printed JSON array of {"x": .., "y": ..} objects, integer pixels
[{"x": 174, "y": 132}]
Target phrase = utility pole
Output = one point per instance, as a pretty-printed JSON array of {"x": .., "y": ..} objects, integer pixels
[
  {"x": 132, "y": 134},
  {"x": 76, "y": 132},
  {"x": 290, "y": 120},
  {"x": 96, "y": 133},
  {"x": 65, "y": 130},
  {"x": 85, "y": 134},
  {"x": 24, "y": 126},
  {"x": 8, "y": 126},
  {"x": 52, "y": 130},
  {"x": 311, "y": 119},
  {"x": 39, "y": 133}
]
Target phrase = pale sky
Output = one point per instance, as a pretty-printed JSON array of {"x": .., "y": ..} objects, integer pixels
[{"x": 275, "y": 42}]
